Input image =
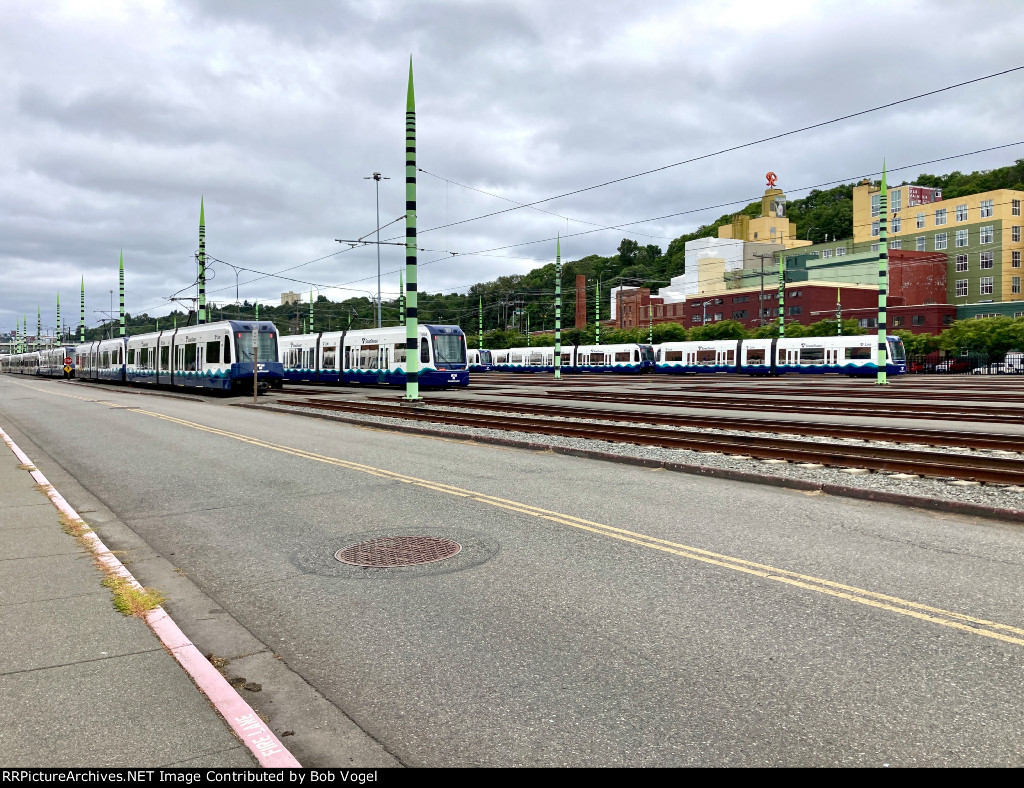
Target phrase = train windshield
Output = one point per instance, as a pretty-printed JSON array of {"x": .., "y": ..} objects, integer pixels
[
  {"x": 267, "y": 348},
  {"x": 899, "y": 353},
  {"x": 647, "y": 352},
  {"x": 485, "y": 357},
  {"x": 449, "y": 349}
]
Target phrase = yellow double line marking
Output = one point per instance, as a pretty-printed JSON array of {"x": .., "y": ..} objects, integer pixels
[{"x": 891, "y": 604}]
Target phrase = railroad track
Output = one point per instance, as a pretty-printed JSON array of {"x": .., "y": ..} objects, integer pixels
[
  {"x": 792, "y": 405},
  {"x": 926, "y": 436},
  {"x": 991, "y": 470}
]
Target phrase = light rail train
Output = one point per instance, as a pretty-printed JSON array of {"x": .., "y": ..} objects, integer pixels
[
  {"x": 583, "y": 358},
  {"x": 375, "y": 355}
]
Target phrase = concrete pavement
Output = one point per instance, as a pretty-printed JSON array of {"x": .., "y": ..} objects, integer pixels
[{"x": 83, "y": 685}]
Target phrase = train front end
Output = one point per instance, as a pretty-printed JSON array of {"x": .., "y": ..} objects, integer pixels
[
  {"x": 447, "y": 365},
  {"x": 264, "y": 353}
]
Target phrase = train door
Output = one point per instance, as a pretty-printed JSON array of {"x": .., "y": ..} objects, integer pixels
[
  {"x": 792, "y": 356},
  {"x": 832, "y": 356}
]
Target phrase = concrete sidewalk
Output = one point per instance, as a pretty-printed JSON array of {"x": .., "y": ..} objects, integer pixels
[{"x": 80, "y": 683}]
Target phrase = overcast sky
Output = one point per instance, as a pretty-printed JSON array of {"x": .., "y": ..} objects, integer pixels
[{"x": 119, "y": 116}]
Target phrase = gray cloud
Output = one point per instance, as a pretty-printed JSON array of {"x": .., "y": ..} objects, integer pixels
[{"x": 120, "y": 116}]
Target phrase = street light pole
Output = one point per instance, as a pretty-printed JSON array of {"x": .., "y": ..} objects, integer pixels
[{"x": 377, "y": 178}]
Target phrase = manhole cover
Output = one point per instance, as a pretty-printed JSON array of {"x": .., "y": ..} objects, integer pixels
[{"x": 398, "y": 551}]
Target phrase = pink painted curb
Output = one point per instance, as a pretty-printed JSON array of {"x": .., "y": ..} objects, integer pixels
[{"x": 239, "y": 715}]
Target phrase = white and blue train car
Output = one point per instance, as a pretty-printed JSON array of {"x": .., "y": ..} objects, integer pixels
[
  {"x": 585, "y": 358},
  {"x": 213, "y": 356},
  {"x": 57, "y": 362},
  {"x": 375, "y": 355},
  {"x": 101, "y": 360},
  {"x": 21, "y": 363},
  {"x": 479, "y": 360},
  {"x": 849, "y": 355}
]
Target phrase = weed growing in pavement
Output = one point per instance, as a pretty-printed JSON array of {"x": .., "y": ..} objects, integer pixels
[
  {"x": 129, "y": 599},
  {"x": 26, "y": 467}
]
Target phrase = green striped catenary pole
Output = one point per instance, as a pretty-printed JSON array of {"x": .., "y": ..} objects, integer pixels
[
  {"x": 39, "y": 325},
  {"x": 257, "y": 310},
  {"x": 122, "y": 293},
  {"x": 597, "y": 315},
  {"x": 311, "y": 331},
  {"x": 401, "y": 298},
  {"x": 412, "y": 330},
  {"x": 480, "y": 326},
  {"x": 81, "y": 322},
  {"x": 839, "y": 312},
  {"x": 60, "y": 332},
  {"x": 650, "y": 324},
  {"x": 782, "y": 293},
  {"x": 883, "y": 266},
  {"x": 558, "y": 308},
  {"x": 202, "y": 262}
]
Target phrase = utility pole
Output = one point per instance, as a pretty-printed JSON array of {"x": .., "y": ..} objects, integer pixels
[
  {"x": 760, "y": 308},
  {"x": 412, "y": 324},
  {"x": 883, "y": 272},
  {"x": 377, "y": 178},
  {"x": 558, "y": 309}
]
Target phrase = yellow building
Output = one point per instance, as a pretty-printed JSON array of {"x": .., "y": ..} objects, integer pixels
[
  {"x": 772, "y": 226},
  {"x": 980, "y": 234}
]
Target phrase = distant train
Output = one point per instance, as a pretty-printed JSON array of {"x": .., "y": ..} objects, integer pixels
[
  {"x": 55, "y": 362},
  {"x": 479, "y": 360},
  {"x": 849, "y": 355},
  {"x": 213, "y": 356},
  {"x": 376, "y": 355},
  {"x": 582, "y": 358}
]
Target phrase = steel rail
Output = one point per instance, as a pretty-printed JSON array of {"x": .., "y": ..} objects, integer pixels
[{"x": 877, "y": 458}]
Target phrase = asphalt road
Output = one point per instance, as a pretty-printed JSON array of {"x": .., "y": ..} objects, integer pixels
[{"x": 598, "y": 614}]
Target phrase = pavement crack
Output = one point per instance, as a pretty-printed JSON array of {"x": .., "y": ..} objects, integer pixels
[{"x": 82, "y": 661}]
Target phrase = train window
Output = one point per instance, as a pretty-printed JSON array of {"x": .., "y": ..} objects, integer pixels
[
  {"x": 622, "y": 356},
  {"x": 368, "y": 357},
  {"x": 424, "y": 350},
  {"x": 143, "y": 358},
  {"x": 190, "y": 357},
  {"x": 536, "y": 359},
  {"x": 566, "y": 360},
  {"x": 120, "y": 355},
  {"x": 755, "y": 355},
  {"x": 858, "y": 354},
  {"x": 330, "y": 354},
  {"x": 227, "y": 349},
  {"x": 812, "y": 355},
  {"x": 730, "y": 356},
  {"x": 515, "y": 358},
  {"x": 597, "y": 358},
  {"x": 348, "y": 358},
  {"x": 131, "y": 355},
  {"x": 673, "y": 355},
  {"x": 636, "y": 355},
  {"x": 106, "y": 359},
  {"x": 707, "y": 357},
  {"x": 292, "y": 360},
  {"x": 213, "y": 352},
  {"x": 165, "y": 358},
  {"x": 399, "y": 354}
]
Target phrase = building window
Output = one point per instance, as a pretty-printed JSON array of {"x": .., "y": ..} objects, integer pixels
[
  {"x": 874, "y": 229},
  {"x": 896, "y": 200},
  {"x": 961, "y": 212},
  {"x": 897, "y": 244},
  {"x": 940, "y": 216},
  {"x": 1015, "y": 259},
  {"x": 940, "y": 241},
  {"x": 826, "y": 253},
  {"x": 962, "y": 237},
  {"x": 840, "y": 251},
  {"x": 897, "y": 224},
  {"x": 947, "y": 320},
  {"x": 961, "y": 262},
  {"x": 988, "y": 259},
  {"x": 987, "y": 285},
  {"x": 794, "y": 293},
  {"x": 718, "y": 315},
  {"x": 740, "y": 314},
  {"x": 920, "y": 221},
  {"x": 987, "y": 234},
  {"x": 1015, "y": 207},
  {"x": 695, "y": 319},
  {"x": 1015, "y": 233},
  {"x": 920, "y": 243},
  {"x": 875, "y": 199},
  {"x": 961, "y": 288},
  {"x": 918, "y": 320},
  {"x": 1015, "y": 285},
  {"x": 874, "y": 247},
  {"x": 986, "y": 209},
  {"x": 897, "y": 322},
  {"x": 795, "y": 310},
  {"x": 868, "y": 322}
]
